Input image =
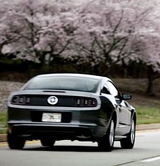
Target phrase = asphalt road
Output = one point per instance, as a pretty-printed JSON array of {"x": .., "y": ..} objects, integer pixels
[{"x": 66, "y": 153}]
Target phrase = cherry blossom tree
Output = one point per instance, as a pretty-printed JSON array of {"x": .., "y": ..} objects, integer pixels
[
  {"x": 106, "y": 31},
  {"x": 36, "y": 29},
  {"x": 147, "y": 44},
  {"x": 98, "y": 34},
  {"x": 4, "y": 30},
  {"x": 147, "y": 47},
  {"x": 20, "y": 29},
  {"x": 112, "y": 32}
]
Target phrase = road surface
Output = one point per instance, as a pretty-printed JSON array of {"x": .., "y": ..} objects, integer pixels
[{"x": 66, "y": 153}]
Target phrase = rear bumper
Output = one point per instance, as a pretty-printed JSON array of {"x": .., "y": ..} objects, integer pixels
[
  {"x": 58, "y": 131},
  {"x": 76, "y": 122}
]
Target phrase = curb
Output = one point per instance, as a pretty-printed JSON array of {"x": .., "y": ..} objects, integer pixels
[
  {"x": 142, "y": 127},
  {"x": 3, "y": 137}
]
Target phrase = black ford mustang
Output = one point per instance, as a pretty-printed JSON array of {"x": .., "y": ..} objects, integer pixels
[{"x": 55, "y": 107}]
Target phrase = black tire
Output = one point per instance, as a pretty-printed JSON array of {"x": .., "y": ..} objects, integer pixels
[
  {"x": 15, "y": 142},
  {"x": 47, "y": 142},
  {"x": 128, "y": 142},
  {"x": 107, "y": 142}
]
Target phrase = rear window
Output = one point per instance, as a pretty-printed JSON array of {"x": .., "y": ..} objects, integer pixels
[{"x": 71, "y": 83}]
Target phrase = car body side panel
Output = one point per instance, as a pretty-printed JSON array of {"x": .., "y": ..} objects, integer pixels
[{"x": 123, "y": 114}]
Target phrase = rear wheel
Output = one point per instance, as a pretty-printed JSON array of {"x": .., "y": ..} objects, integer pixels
[
  {"x": 107, "y": 142},
  {"x": 47, "y": 142},
  {"x": 15, "y": 142},
  {"x": 128, "y": 142}
]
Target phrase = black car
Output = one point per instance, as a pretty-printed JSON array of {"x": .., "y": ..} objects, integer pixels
[{"x": 80, "y": 107}]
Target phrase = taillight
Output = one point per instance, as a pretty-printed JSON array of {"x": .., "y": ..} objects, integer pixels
[
  {"x": 20, "y": 100},
  {"x": 86, "y": 102},
  {"x": 15, "y": 100}
]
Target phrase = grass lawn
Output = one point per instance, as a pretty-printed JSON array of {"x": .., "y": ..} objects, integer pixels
[
  {"x": 147, "y": 115},
  {"x": 3, "y": 122}
]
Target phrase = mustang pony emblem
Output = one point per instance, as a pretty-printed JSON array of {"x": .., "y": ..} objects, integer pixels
[{"x": 52, "y": 100}]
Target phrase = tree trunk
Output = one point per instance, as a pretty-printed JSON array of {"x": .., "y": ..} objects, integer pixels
[{"x": 149, "y": 90}]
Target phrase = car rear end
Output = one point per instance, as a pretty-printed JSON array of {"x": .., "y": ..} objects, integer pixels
[{"x": 74, "y": 116}]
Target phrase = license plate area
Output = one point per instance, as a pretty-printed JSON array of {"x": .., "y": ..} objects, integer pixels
[{"x": 51, "y": 117}]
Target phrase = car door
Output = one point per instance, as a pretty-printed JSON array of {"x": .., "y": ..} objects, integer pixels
[
  {"x": 124, "y": 114},
  {"x": 122, "y": 111}
]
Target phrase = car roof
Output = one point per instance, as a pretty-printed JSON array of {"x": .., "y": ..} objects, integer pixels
[{"x": 74, "y": 75}]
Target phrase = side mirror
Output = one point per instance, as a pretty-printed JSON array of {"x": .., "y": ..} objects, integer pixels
[{"x": 126, "y": 96}]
